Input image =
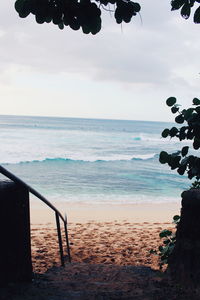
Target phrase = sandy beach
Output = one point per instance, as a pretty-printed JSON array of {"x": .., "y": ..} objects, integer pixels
[
  {"x": 120, "y": 235},
  {"x": 109, "y": 251},
  {"x": 119, "y": 242},
  {"x": 106, "y": 242}
]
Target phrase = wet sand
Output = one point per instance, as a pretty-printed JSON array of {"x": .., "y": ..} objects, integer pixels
[{"x": 82, "y": 213}]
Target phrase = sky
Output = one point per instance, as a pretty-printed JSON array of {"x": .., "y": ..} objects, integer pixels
[{"x": 124, "y": 72}]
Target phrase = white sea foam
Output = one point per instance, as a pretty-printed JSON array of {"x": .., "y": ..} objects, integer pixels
[{"x": 113, "y": 199}]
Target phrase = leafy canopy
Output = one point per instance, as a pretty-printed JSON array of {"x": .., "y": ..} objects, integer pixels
[
  {"x": 181, "y": 160},
  {"x": 185, "y": 7},
  {"x": 86, "y": 14},
  {"x": 77, "y": 14}
]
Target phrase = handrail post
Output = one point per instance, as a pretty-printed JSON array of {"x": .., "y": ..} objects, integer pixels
[
  {"x": 59, "y": 239},
  {"x": 67, "y": 239},
  {"x": 58, "y": 215}
]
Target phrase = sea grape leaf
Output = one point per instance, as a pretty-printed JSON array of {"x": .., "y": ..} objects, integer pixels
[
  {"x": 166, "y": 242},
  {"x": 174, "y": 109},
  {"x": 173, "y": 131},
  {"x": 196, "y": 101},
  {"x": 185, "y": 11},
  {"x": 163, "y": 158},
  {"x": 197, "y": 15},
  {"x": 164, "y": 252},
  {"x": 19, "y": 4},
  {"x": 196, "y": 144},
  {"x": 181, "y": 170},
  {"x": 191, "y": 159},
  {"x": 165, "y": 233},
  {"x": 197, "y": 109},
  {"x": 194, "y": 171},
  {"x": 188, "y": 113},
  {"x": 152, "y": 251},
  {"x": 190, "y": 175},
  {"x": 182, "y": 133},
  {"x": 184, "y": 151},
  {"x": 61, "y": 25},
  {"x": 171, "y": 101},
  {"x": 196, "y": 126},
  {"x": 174, "y": 161},
  {"x": 137, "y": 6},
  {"x": 40, "y": 19},
  {"x": 176, "y": 4},
  {"x": 197, "y": 162},
  {"x": 176, "y": 218},
  {"x": 179, "y": 119},
  {"x": 190, "y": 134},
  {"x": 85, "y": 29},
  {"x": 192, "y": 2},
  {"x": 165, "y": 133}
]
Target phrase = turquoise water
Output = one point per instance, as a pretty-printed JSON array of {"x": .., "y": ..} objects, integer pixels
[{"x": 89, "y": 160}]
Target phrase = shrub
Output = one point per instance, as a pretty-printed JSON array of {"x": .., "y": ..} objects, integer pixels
[
  {"x": 181, "y": 160},
  {"x": 168, "y": 240}
]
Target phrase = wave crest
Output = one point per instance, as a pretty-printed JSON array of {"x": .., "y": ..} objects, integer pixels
[{"x": 141, "y": 157}]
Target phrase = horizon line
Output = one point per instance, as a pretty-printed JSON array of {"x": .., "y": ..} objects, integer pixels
[{"x": 84, "y": 118}]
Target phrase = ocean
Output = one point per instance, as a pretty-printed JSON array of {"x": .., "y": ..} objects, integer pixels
[{"x": 91, "y": 161}]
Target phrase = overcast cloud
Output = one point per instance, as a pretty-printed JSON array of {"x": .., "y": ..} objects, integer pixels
[{"x": 150, "y": 59}]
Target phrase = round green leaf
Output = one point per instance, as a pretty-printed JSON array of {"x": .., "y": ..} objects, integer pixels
[
  {"x": 191, "y": 159},
  {"x": 196, "y": 101},
  {"x": 181, "y": 170},
  {"x": 188, "y": 113},
  {"x": 176, "y": 220},
  {"x": 165, "y": 133},
  {"x": 85, "y": 28},
  {"x": 185, "y": 11},
  {"x": 190, "y": 134},
  {"x": 166, "y": 242},
  {"x": 173, "y": 131},
  {"x": 176, "y": 4},
  {"x": 171, "y": 101},
  {"x": 182, "y": 133},
  {"x": 184, "y": 151},
  {"x": 197, "y": 109},
  {"x": 174, "y": 109},
  {"x": 165, "y": 233},
  {"x": 197, "y": 15},
  {"x": 163, "y": 158},
  {"x": 61, "y": 25},
  {"x": 152, "y": 251},
  {"x": 19, "y": 4},
  {"x": 179, "y": 119},
  {"x": 39, "y": 19},
  {"x": 176, "y": 217},
  {"x": 196, "y": 144},
  {"x": 174, "y": 162}
]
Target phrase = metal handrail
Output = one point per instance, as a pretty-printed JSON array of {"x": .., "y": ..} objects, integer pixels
[{"x": 17, "y": 180}]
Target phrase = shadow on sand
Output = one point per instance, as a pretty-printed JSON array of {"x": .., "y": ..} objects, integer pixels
[{"x": 97, "y": 281}]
